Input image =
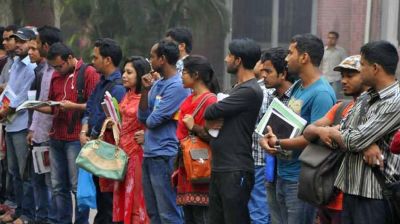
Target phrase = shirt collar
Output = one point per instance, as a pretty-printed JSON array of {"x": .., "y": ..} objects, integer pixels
[
  {"x": 171, "y": 79},
  {"x": 286, "y": 94},
  {"x": 115, "y": 75},
  {"x": 25, "y": 60},
  {"x": 386, "y": 92}
]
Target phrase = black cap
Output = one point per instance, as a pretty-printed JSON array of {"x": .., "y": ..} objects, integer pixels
[{"x": 24, "y": 34}]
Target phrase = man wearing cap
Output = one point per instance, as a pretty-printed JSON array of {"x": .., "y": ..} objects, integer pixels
[
  {"x": 352, "y": 86},
  {"x": 16, "y": 92}
]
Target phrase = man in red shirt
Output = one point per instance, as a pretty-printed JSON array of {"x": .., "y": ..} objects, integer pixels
[
  {"x": 352, "y": 85},
  {"x": 64, "y": 135}
]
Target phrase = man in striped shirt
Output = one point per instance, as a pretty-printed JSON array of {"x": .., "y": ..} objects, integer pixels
[{"x": 365, "y": 136}]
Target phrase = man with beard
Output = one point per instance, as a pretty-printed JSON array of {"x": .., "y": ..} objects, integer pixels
[
  {"x": 107, "y": 55},
  {"x": 232, "y": 172},
  {"x": 159, "y": 103},
  {"x": 21, "y": 77},
  {"x": 352, "y": 86},
  {"x": 311, "y": 98}
]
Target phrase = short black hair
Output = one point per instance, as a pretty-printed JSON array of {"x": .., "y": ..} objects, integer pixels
[
  {"x": 1, "y": 38},
  {"x": 310, "y": 44},
  {"x": 109, "y": 48},
  {"x": 169, "y": 49},
  {"x": 59, "y": 49},
  {"x": 142, "y": 67},
  {"x": 49, "y": 35},
  {"x": 277, "y": 57},
  {"x": 200, "y": 66},
  {"x": 13, "y": 27},
  {"x": 382, "y": 53},
  {"x": 181, "y": 35},
  {"x": 246, "y": 49},
  {"x": 334, "y": 33}
]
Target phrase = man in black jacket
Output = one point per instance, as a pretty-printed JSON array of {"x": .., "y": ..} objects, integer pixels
[{"x": 232, "y": 175}]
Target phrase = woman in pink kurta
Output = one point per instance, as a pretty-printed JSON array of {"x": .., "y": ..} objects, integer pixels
[{"x": 129, "y": 206}]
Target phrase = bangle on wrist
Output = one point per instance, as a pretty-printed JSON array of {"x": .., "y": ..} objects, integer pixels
[{"x": 83, "y": 132}]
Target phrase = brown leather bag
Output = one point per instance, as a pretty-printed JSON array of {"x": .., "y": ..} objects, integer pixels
[{"x": 197, "y": 154}]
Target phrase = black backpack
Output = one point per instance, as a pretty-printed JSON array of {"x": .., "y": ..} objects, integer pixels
[
  {"x": 80, "y": 87},
  {"x": 319, "y": 169}
]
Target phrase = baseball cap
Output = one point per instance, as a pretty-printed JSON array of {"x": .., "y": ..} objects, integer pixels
[
  {"x": 351, "y": 62},
  {"x": 24, "y": 34}
]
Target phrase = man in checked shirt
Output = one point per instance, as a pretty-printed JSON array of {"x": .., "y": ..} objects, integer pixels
[{"x": 365, "y": 136}]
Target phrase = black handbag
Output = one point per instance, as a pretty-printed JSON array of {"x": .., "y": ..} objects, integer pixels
[{"x": 319, "y": 168}]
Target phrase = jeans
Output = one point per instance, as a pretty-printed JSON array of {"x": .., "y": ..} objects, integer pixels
[
  {"x": 17, "y": 158},
  {"x": 293, "y": 210},
  {"x": 229, "y": 197},
  {"x": 64, "y": 176},
  {"x": 104, "y": 204},
  {"x": 195, "y": 214},
  {"x": 273, "y": 205},
  {"x": 46, "y": 209},
  {"x": 258, "y": 205},
  {"x": 360, "y": 210},
  {"x": 159, "y": 195}
]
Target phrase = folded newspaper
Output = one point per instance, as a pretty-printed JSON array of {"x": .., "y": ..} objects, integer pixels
[
  {"x": 6, "y": 97},
  {"x": 35, "y": 103},
  {"x": 41, "y": 161},
  {"x": 284, "y": 123}
]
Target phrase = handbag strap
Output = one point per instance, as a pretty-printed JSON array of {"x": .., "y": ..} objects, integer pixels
[
  {"x": 202, "y": 102},
  {"x": 339, "y": 111},
  {"x": 115, "y": 130}
]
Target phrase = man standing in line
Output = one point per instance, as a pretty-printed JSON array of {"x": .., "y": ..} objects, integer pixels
[
  {"x": 183, "y": 37},
  {"x": 107, "y": 55},
  {"x": 21, "y": 76},
  {"x": 158, "y": 105},
  {"x": 333, "y": 55},
  {"x": 232, "y": 173},
  {"x": 311, "y": 98},
  {"x": 41, "y": 123}
]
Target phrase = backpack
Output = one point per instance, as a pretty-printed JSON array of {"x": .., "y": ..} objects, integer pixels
[
  {"x": 80, "y": 88},
  {"x": 319, "y": 167}
]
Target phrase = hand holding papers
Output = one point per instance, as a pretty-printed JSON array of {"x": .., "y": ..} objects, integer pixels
[
  {"x": 111, "y": 108},
  {"x": 35, "y": 103},
  {"x": 216, "y": 125},
  {"x": 281, "y": 122},
  {"x": 284, "y": 122}
]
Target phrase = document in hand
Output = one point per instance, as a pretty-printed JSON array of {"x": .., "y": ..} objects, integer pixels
[
  {"x": 5, "y": 99},
  {"x": 41, "y": 161},
  {"x": 284, "y": 122},
  {"x": 35, "y": 103},
  {"x": 112, "y": 108},
  {"x": 215, "y": 132}
]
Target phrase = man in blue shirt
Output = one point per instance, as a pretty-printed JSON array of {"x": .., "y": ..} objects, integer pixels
[
  {"x": 159, "y": 103},
  {"x": 21, "y": 77},
  {"x": 311, "y": 98},
  {"x": 107, "y": 55}
]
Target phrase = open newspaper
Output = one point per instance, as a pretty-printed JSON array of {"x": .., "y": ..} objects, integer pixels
[
  {"x": 284, "y": 123},
  {"x": 35, "y": 103}
]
